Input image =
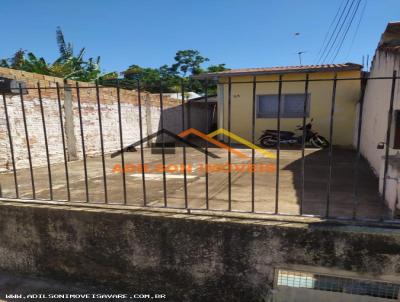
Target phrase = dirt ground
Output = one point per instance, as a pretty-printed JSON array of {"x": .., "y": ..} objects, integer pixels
[{"x": 342, "y": 198}]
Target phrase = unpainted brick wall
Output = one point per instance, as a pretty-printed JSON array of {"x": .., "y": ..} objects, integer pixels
[{"x": 109, "y": 114}]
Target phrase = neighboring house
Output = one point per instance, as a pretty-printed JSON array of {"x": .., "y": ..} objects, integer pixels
[
  {"x": 319, "y": 100},
  {"x": 376, "y": 109}
]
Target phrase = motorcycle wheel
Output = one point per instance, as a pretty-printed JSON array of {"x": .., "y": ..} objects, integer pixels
[
  {"x": 319, "y": 141},
  {"x": 268, "y": 141}
]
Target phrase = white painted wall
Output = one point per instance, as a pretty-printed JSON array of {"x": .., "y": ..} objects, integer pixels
[{"x": 375, "y": 118}]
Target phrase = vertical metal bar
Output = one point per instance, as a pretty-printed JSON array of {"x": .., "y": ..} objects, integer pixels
[
  {"x": 82, "y": 141},
  {"x": 11, "y": 146},
  {"x": 333, "y": 101},
  {"x": 46, "y": 145},
  {"x": 253, "y": 126},
  {"x": 229, "y": 143},
  {"x": 278, "y": 146},
  {"x": 27, "y": 142},
  {"x": 185, "y": 189},
  {"x": 141, "y": 143},
  {"x": 388, "y": 132},
  {"x": 303, "y": 144},
  {"x": 364, "y": 81},
  {"x": 121, "y": 142},
  {"x": 63, "y": 142},
  {"x": 162, "y": 146},
  {"x": 103, "y": 159},
  {"x": 206, "y": 142}
]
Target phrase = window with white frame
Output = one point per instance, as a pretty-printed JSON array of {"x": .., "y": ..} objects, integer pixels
[{"x": 292, "y": 105}]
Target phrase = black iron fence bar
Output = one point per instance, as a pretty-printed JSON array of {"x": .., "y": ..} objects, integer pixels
[
  {"x": 63, "y": 142},
  {"x": 253, "y": 126},
  {"x": 46, "y": 145},
  {"x": 28, "y": 145},
  {"x": 162, "y": 146},
  {"x": 363, "y": 83},
  {"x": 141, "y": 143},
  {"x": 10, "y": 141},
  {"x": 303, "y": 143},
  {"x": 78, "y": 97},
  {"x": 330, "y": 154},
  {"x": 121, "y": 142},
  {"x": 229, "y": 143},
  {"x": 388, "y": 130},
  {"x": 185, "y": 189},
  {"x": 206, "y": 142},
  {"x": 103, "y": 158},
  {"x": 278, "y": 146}
]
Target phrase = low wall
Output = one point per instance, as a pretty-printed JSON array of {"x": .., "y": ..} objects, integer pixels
[{"x": 186, "y": 257}]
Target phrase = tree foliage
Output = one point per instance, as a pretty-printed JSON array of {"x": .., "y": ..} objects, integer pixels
[
  {"x": 188, "y": 60},
  {"x": 67, "y": 66},
  {"x": 168, "y": 78},
  {"x": 72, "y": 65}
]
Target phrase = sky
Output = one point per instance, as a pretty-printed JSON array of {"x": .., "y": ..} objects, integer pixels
[{"x": 239, "y": 33}]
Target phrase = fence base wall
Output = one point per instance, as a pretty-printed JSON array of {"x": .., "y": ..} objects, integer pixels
[{"x": 186, "y": 257}]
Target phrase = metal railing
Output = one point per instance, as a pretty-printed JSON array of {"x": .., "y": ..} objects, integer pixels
[{"x": 139, "y": 123}]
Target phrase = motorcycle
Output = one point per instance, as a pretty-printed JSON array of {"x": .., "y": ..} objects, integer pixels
[{"x": 269, "y": 138}]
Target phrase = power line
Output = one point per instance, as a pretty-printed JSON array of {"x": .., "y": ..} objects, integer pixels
[
  {"x": 339, "y": 31},
  {"x": 330, "y": 27},
  {"x": 358, "y": 26},
  {"x": 347, "y": 30},
  {"x": 333, "y": 32}
]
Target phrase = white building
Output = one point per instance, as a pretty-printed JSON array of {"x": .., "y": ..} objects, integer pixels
[{"x": 375, "y": 114}]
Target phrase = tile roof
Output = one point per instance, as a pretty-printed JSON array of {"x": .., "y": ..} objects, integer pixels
[{"x": 282, "y": 70}]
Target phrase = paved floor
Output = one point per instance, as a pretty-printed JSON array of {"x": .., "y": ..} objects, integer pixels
[{"x": 341, "y": 201}]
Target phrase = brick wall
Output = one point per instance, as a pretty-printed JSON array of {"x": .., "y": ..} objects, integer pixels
[{"x": 109, "y": 114}]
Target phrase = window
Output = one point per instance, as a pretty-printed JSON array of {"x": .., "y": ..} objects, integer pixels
[
  {"x": 292, "y": 105},
  {"x": 352, "y": 286}
]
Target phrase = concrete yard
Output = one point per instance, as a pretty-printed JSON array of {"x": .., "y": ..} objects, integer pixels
[{"x": 342, "y": 198}]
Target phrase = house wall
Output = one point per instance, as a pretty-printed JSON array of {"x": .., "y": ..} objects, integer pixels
[
  {"x": 376, "y": 107},
  {"x": 109, "y": 113},
  {"x": 347, "y": 96},
  {"x": 375, "y": 117}
]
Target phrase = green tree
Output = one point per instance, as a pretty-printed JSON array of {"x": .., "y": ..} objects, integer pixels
[
  {"x": 152, "y": 79},
  {"x": 68, "y": 65},
  {"x": 188, "y": 60},
  {"x": 216, "y": 68}
]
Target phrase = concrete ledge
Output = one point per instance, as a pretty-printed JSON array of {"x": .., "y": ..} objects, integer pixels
[{"x": 188, "y": 257}]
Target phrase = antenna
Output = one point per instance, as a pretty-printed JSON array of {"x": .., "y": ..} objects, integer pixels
[{"x": 299, "y": 54}]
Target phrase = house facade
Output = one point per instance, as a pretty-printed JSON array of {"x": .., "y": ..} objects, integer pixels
[
  {"x": 292, "y": 101},
  {"x": 375, "y": 114}
]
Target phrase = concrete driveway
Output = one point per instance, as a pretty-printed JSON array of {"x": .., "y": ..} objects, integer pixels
[{"x": 342, "y": 198}]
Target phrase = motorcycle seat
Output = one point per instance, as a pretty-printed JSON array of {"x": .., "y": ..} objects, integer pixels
[{"x": 283, "y": 133}]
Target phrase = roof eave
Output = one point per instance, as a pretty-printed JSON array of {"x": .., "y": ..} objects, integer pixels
[{"x": 254, "y": 73}]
